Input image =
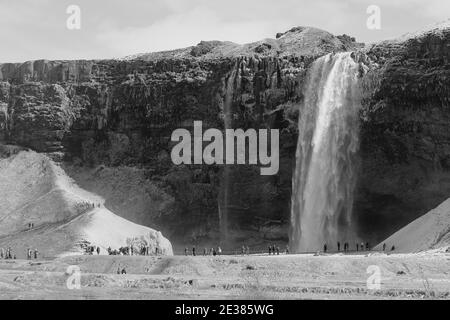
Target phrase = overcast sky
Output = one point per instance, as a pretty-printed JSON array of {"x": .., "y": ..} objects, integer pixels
[{"x": 36, "y": 29}]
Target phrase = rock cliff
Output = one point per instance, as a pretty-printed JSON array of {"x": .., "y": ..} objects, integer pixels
[
  {"x": 405, "y": 137},
  {"x": 110, "y": 122}
]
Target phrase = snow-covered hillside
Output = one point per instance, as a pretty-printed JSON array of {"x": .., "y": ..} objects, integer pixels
[
  {"x": 430, "y": 231},
  {"x": 35, "y": 190}
]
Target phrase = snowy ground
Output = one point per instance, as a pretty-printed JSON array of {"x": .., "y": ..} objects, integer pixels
[
  {"x": 34, "y": 189},
  {"x": 430, "y": 231},
  {"x": 335, "y": 276}
]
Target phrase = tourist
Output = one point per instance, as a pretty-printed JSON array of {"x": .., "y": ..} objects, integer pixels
[
  {"x": 270, "y": 250},
  {"x": 36, "y": 253},
  {"x": 393, "y": 248},
  {"x": 278, "y": 250},
  {"x": 362, "y": 246},
  {"x": 193, "y": 251},
  {"x": 357, "y": 247},
  {"x": 186, "y": 251},
  {"x": 339, "y": 246},
  {"x": 214, "y": 252},
  {"x": 367, "y": 246},
  {"x": 384, "y": 246},
  {"x": 287, "y": 249},
  {"x": 219, "y": 251},
  {"x": 98, "y": 250},
  {"x": 325, "y": 248}
]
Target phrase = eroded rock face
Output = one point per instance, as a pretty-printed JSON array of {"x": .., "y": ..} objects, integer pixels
[
  {"x": 121, "y": 114},
  {"x": 405, "y": 137}
]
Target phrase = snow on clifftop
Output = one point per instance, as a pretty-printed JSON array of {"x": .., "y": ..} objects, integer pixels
[
  {"x": 430, "y": 231},
  {"x": 434, "y": 28}
]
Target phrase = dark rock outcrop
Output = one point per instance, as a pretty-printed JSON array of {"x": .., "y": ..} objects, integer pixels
[{"x": 405, "y": 136}]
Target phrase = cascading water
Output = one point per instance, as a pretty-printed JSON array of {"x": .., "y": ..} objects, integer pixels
[
  {"x": 223, "y": 202},
  {"x": 326, "y": 158}
]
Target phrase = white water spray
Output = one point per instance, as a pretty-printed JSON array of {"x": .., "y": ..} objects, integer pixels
[{"x": 324, "y": 178}]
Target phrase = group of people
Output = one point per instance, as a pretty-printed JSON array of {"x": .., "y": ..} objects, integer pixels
[
  {"x": 131, "y": 251},
  {"x": 275, "y": 250},
  {"x": 93, "y": 205},
  {"x": 92, "y": 249},
  {"x": 9, "y": 254},
  {"x": 211, "y": 251},
  {"x": 359, "y": 247},
  {"x": 244, "y": 250},
  {"x": 32, "y": 253}
]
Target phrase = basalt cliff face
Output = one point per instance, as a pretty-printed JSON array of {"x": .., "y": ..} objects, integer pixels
[
  {"x": 405, "y": 134},
  {"x": 110, "y": 123}
]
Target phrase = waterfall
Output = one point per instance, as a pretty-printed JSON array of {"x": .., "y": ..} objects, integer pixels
[
  {"x": 326, "y": 157},
  {"x": 230, "y": 84}
]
